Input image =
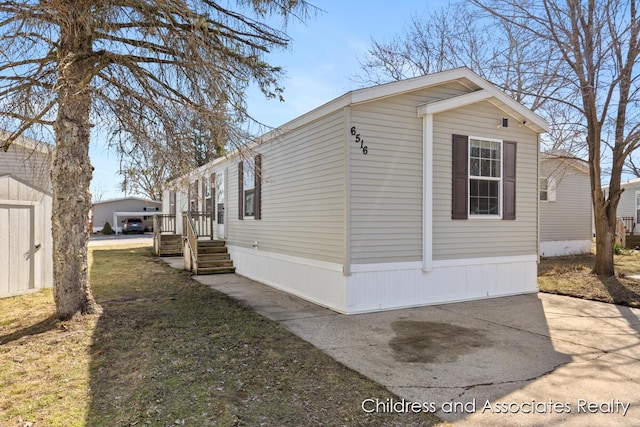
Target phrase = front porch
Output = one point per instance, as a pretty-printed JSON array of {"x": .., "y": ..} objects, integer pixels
[{"x": 202, "y": 253}]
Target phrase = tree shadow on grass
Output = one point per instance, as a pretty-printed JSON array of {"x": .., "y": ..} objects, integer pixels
[
  {"x": 170, "y": 351},
  {"x": 620, "y": 292},
  {"x": 46, "y": 325},
  {"x": 624, "y": 297}
]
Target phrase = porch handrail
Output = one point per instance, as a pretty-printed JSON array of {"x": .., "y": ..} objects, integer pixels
[
  {"x": 202, "y": 223},
  {"x": 164, "y": 223},
  {"x": 189, "y": 230},
  {"x": 629, "y": 224}
]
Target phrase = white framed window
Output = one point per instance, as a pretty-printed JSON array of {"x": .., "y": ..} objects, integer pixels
[
  {"x": 544, "y": 189},
  {"x": 547, "y": 190},
  {"x": 485, "y": 177},
  {"x": 249, "y": 184}
]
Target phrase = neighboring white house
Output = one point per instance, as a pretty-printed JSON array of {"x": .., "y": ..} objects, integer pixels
[
  {"x": 629, "y": 205},
  {"x": 115, "y": 211},
  {"x": 26, "y": 262},
  {"x": 565, "y": 206},
  {"x": 410, "y": 193}
]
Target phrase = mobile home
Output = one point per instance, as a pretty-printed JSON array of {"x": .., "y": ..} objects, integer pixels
[{"x": 410, "y": 193}]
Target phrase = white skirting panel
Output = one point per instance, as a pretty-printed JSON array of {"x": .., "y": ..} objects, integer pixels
[
  {"x": 565, "y": 247},
  {"x": 377, "y": 287},
  {"x": 317, "y": 281},
  {"x": 372, "y": 288}
]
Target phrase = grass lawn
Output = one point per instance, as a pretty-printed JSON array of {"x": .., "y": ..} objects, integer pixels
[
  {"x": 168, "y": 351},
  {"x": 572, "y": 276}
]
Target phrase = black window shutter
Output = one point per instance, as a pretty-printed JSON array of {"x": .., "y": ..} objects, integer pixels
[
  {"x": 258, "y": 187},
  {"x": 509, "y": 181},
  {"x": 240, "y": 191},
  {"x": 460, "y": 184}
]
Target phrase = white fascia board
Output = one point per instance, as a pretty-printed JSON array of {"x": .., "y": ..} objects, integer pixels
[
  {"x": 268, "y": 137},
  {"x": 453, "y": 102},
  {"x": 396, "y": 88},
  {"x": 532, "y": 118},
  {"x": 315, "y": 114},
  {"x": 535, "y": 122}
]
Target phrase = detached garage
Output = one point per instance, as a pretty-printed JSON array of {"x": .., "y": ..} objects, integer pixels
[{"x": 26, "y": 243}]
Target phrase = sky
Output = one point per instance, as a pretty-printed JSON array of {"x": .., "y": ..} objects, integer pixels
[{"x": 319, "y": 64}]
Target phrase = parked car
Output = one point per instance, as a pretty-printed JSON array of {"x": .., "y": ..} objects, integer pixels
[{"x": 133, "y": 225}]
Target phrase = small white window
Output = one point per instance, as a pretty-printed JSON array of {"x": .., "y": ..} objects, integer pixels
[
  {"x": 547, "y": 190},
  {"x": 485, "y": 177},
  {"x": 544, "y": 189}
]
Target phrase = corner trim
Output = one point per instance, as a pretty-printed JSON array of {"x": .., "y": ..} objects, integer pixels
[{"x": 427, "y": 193}]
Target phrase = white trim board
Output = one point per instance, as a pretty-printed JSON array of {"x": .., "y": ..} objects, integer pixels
[{"x": 565, "y": 247}]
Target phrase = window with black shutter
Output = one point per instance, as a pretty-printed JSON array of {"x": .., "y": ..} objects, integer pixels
[{"x": 484, "y": 178}]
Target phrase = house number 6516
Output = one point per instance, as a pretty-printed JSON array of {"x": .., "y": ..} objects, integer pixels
[{"x": 359, "y": 140}]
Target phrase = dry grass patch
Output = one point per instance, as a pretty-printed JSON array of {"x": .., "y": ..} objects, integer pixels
[
  {"x": 572, "y": 276},
  {"x": 169, "y": 351}
]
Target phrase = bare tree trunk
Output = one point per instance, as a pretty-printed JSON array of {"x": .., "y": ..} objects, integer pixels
[
  {"x": 72, "y": 171},
  {"x": 605, "y": 234}
]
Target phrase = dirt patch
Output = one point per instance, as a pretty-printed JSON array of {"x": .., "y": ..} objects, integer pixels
[
  {"x": 433, "y": 342},
  {"x": 572, "y": 276}
]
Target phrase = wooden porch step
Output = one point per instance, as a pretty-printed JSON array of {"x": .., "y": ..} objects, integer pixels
[
  {"x": 214, "y": 263},
  {"x": 164, "y": 250},
  {"x": 213, "y": 258},
  {"x": 211, "y": 243},
  {"x": 205, "y": 250},
  {"x": 216, "y": 270},
  {"x": 218, "y": 256},
  {"x": 170, "y": 244}
]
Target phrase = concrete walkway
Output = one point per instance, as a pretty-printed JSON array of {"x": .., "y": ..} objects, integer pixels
[{"x": 528, "y": 360}]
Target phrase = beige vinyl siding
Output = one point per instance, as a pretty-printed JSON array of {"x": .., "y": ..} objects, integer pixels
[
  {"x": 26, "y": 164},
  {"x": 302, "y": 194},
  {"x": 483, "y": 237},
  {"x": 386, "y": 184},
  {"x": 569, "y": 216}
]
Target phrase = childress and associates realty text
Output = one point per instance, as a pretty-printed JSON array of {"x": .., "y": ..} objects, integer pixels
[{"x": 580, "y": 406}]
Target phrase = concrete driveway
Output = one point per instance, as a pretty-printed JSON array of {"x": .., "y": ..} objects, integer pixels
[{"x": 527, "y": 360}]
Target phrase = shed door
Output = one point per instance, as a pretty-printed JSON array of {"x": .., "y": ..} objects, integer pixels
[{"x": 16, "y": 244}]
